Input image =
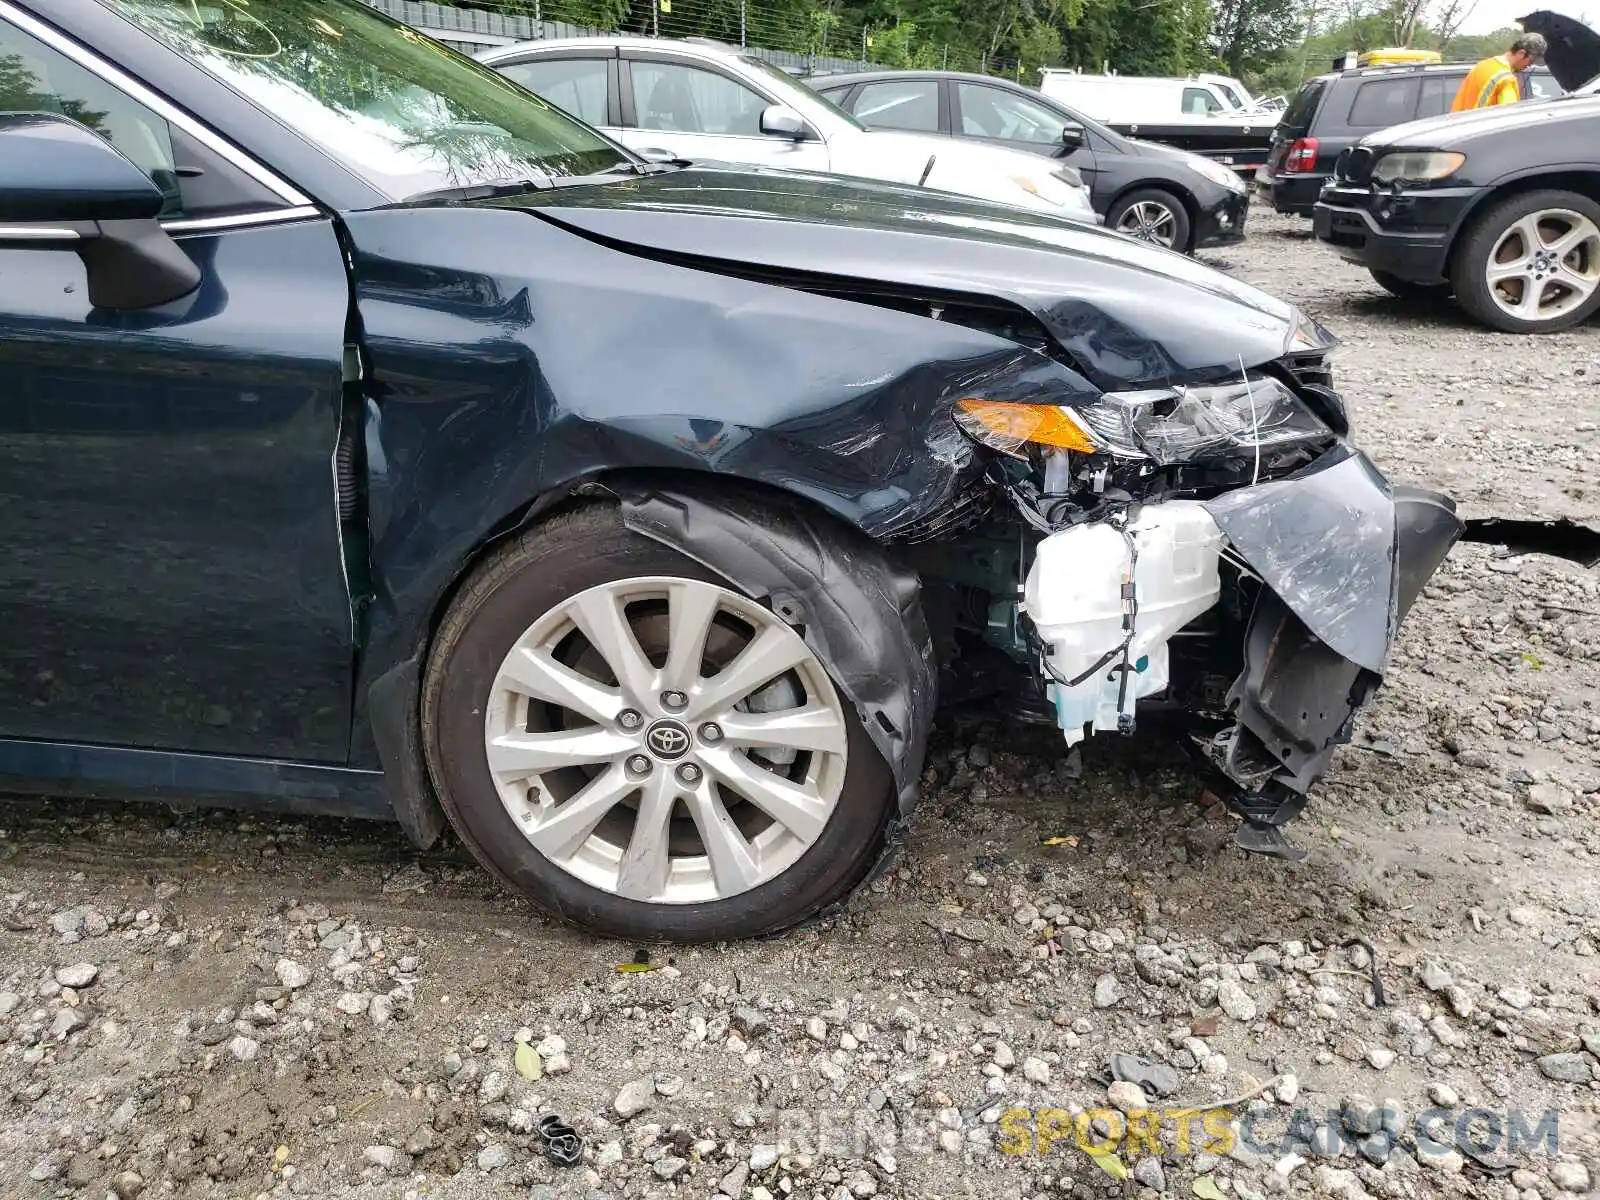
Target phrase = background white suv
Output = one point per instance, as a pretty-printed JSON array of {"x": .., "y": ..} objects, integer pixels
[{"x": 706, "y": 102}]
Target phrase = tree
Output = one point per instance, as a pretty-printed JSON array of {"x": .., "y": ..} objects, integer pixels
[{"x": 1249, "y": 36}]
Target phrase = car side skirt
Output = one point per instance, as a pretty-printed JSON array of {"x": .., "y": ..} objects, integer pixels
[{"x": 193, "y": 780}]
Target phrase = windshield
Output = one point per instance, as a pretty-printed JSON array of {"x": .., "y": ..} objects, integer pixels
[
  {"x": 800, "y": 94},
  {"x": 404, "y": 112}
]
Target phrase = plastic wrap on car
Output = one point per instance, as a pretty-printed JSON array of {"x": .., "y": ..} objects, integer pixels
[{"x": 858, "y": 613}]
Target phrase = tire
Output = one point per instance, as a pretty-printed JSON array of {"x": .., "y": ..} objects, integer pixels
[
  {"x": 1148, "y": 210},
  {"x": 1564, "y": 287},
  {"x": 535, "y": 596},
  {"x": 1406, "y": 289}
]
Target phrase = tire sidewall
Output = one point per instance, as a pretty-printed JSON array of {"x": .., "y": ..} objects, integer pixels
[
  {"x": 1472, "y": 259},
  {"x": 456, "y": 692}
]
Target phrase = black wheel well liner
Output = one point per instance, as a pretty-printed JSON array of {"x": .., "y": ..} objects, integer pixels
[{"x": 853, "y": 605}]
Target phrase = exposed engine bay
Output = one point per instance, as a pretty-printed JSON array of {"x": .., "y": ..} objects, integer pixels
[{"x": 1232, "y": 560}]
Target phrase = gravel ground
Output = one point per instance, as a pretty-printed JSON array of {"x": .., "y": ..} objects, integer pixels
[{"x": 208, "y": 1005}]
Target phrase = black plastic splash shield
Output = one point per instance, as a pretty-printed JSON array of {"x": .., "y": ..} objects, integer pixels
[
  {"x": 861, "y": 616},
  {"x": 1354, "y": 555},
  {"x": 1323, "y": 540}
]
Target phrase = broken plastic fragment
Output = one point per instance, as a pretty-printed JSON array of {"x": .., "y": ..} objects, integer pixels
[
  {"x": 1206, "y": 1188},
  {"x": 1107, "y": 1162},
  {"x": 1070, "y": 839}
]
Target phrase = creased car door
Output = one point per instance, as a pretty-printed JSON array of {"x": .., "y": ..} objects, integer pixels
[{"x": 173, "y": 569}]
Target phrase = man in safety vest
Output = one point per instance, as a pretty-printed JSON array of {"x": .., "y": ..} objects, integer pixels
[{"x": 1502, "y": 79}]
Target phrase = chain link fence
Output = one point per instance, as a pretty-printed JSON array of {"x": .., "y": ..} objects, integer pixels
[{"x": 806, "y": 44}]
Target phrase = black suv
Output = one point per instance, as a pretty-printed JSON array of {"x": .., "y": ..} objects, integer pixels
[
  {"x": 1157, "y": 193},
  {"x": 1333, "y": 112},
  {"x": 1500, "y": 206}
]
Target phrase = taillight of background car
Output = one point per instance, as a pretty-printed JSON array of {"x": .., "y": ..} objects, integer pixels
[{"x": 1302, "y": 156}]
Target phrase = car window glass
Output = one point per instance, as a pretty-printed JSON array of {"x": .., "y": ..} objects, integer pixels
[
  {"x": 1438, "y": 91},
  {"x": 992, "y": 112},
  {"x": 1199, "y": 101},
  {"x": 35, "y": 78},
  {"x": 680, "y": 99},
  {"x": 1298, "y": 115},
  {"x": 577, "y": 85},
  {"x": 393, "y": 106},
  {"x": 1380, "y": 103},
  {"x": 901, "y": 104}
]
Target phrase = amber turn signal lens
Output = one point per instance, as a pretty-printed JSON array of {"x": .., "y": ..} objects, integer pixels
[{"x": 1007, "y": 427}]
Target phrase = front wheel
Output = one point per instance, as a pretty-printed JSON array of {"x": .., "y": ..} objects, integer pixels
[
  {"x": 1531, "y": 264},
  {"x": 642, "y": 749},
  {"x": 1152, "y": 215}
]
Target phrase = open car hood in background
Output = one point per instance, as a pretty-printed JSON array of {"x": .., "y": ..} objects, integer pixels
[{"x": 1574, "y": 54}]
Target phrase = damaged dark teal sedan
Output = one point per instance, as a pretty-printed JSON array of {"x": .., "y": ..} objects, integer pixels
[{"x": 378, "y": 440}]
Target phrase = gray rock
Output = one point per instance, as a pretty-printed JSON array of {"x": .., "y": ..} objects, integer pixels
[
  {"x": 861, "y": 1183},
  {"x": 1375, "y": 1147},
  {"x": 1327, "y": 1142},
  {"x": 1549, "y": 798},
  {"x": 668, "y": 1085},
  {"x": 1433, "y": 975},
  {"x": 78, "y": 975},
  {"x": 669, "y": 1166},
  {"x": 47, "y": 1168},
  {"x": 1147, "y": 1170},
  {"x": 1235, "y": 1001},
  {"x": 763, "y": 1155},
  {"x": 1380, "y": 1058},
  {"x": 386, "y": 1157},
  {"x": 1129, "y": 1097},
  {"x": 1566, "y": 1068},
  {"x": 291, "y": 974},
  {"x": 1107, "y": 992},
  {"x": 67, "y": 1022},
  {"x": 1035, "y": 1070},
  {"x": 816, "y": 1029},
  {"x": 751, "y": 1022},
  {"x": 493, "y": 1088},
  {"x": 126, "y": 1185},
  {"x": 494, "y": 1156},
  {"x": 9, "y": 1003},
  {"x": 732, "y": 1184},
  {"x": 1443, "y": 1095},
  {"x": 634, "y": 1097},
  {"x": 243, "y": 1048},
  {"x": 1570, "y": 1176},
  {"x": 1003, "y": 1057}
]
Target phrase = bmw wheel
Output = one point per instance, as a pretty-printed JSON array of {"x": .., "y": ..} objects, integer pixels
[
  {"x": 1152, "y": 215},
  {"x": 1531, "y": 264},
  {"x": 642, "y": 749}
]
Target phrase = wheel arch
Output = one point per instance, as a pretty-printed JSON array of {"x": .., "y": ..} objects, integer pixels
[
  {"x": 1191, "y": 206},
  {"x": 1585, "y": 180},
  {"x": 809, "y": 560}
]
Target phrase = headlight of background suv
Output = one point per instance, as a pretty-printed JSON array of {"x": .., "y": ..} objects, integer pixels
[
  {"x": 1422, "y": 166},
  {"x": 1168, "y": 426}
]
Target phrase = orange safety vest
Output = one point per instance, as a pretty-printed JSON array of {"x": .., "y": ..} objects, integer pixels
[{"x": 1490, "y": 82}]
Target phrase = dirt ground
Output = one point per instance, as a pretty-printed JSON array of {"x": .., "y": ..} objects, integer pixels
[{"x": 220, "y": 1005}]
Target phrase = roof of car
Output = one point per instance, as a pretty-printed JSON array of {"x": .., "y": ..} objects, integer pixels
[
  {"x": 834, "y": 78},
  {"x": 626, "y": 41}
]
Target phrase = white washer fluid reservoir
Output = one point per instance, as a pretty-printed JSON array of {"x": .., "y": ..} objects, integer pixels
[{"x": 1074, "y": 597}]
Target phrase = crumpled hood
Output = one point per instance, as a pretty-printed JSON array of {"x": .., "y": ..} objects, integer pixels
[
  {"x": 1457, "y": 131},
  {"x": 1128, "y": 313}
]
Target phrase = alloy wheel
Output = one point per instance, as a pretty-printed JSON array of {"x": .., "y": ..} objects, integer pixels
[
  {"x": 1544, "y": 265},
  {"x": 666, "y": 740},
  {"x": 1149, "y": 221}
]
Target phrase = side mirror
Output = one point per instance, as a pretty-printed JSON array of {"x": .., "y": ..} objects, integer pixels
[
  {"x": 657, "y": 154},
  {"x": 1071, "y": 137},
  {"x": 62, "y": 185},
  {"x": 779, "y": 120}
]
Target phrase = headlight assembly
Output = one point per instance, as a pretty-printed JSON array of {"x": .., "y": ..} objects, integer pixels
[
  {"x": 1167, "y": 426},
  {"x": 1422, "y": 166},
  {"x": 1218, "y": 174}
]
